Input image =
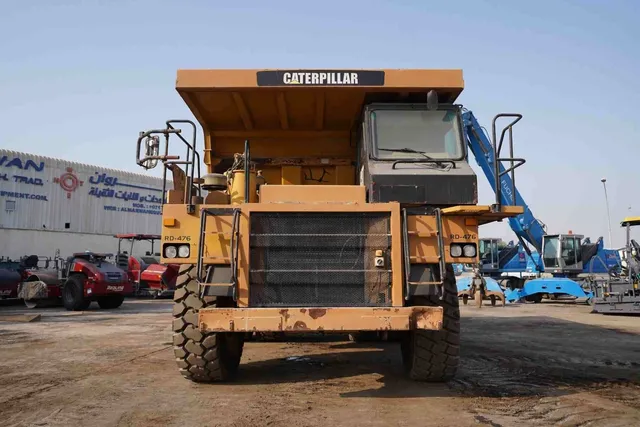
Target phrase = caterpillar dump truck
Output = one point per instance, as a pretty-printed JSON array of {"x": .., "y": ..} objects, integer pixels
[{"x": 334, "y": 200}]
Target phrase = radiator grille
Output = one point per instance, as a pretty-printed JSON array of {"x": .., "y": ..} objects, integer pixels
[
  {"x": 113, "y": 277},
  {"x": 316, "y": 259}
]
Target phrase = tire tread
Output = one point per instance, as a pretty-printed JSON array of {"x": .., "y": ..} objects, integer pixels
[{"x": 200, "y": 357}]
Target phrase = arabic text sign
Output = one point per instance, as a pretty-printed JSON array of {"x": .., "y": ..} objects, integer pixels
[
  {"x": 124, "y": 195},
  {"x": 110, "y": 181}
]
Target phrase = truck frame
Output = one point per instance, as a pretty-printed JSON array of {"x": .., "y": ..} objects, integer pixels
[{"x": 336, "y": 201}]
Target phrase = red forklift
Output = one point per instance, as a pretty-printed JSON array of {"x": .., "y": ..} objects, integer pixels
[{"x": 148, "y": 276}]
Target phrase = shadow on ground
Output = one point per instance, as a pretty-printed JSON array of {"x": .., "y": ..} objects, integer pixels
[{"x": 500, "y": 357}]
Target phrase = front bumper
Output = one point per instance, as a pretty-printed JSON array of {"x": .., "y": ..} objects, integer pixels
[
  {"x": 331, "y": 319},
  {"x": 104, "y": 289}
]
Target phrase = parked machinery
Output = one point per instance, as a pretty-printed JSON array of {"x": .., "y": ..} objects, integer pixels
[
  {"x": 620, "y": 294},
  {"x": 75, "y": 282},
  {"x": 148, "y": 276},
  {"x": 10, "y": 278},
  {"x": 567, "y": 261},
  {"x": 13, "y": 272},
  {"x": 342, "y": 200}
]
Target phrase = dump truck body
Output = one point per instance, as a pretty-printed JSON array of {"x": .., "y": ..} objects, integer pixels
[{"x": 358, "y": 200}]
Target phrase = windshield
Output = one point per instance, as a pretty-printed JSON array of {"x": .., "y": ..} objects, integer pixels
[
  {"x": 488, "y": 251},
  {"x": 400, "y": 133},
  {"x": 550, "y": 252},
  {"x": 571, "y": 251}
]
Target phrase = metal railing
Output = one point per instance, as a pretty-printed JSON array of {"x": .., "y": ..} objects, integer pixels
[
  {"x": 514, "y": 161},
  {"x": 152, "y": 156}
]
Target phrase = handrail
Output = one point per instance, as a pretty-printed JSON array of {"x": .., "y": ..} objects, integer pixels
[{"x": 497, "y": 148}]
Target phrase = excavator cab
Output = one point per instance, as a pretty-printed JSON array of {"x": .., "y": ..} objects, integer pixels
[
  {"x": 562, "y": 253},
  {"x": 489, "y": 254}
]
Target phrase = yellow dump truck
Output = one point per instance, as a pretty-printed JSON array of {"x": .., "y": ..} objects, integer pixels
[{"x": 333, "y": 200}]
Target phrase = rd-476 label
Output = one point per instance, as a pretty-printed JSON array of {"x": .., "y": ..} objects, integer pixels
[
  {"x": 177, "y": 238},
  {"x": 463, "y": 237}
]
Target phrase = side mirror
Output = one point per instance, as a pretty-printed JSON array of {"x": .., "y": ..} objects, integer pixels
[{"x": 151, "y": 149}]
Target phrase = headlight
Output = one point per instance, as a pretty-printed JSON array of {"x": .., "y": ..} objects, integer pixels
[
  {"x": 456, "y": 250},
  {"x": 183, "y": 251},
  {"x": 469, "y": 250},
  {"x": 170, "y": 252}
]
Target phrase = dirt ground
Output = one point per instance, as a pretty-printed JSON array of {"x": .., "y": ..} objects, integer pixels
[{"x": 522, "y": 365}]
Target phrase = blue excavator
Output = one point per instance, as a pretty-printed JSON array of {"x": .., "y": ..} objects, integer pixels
[{"x": 567, "y": 261}]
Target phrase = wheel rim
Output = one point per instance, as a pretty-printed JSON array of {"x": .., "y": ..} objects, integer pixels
[{"x": 31, "y": 303}]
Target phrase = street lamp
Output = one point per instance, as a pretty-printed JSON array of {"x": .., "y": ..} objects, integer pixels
[{"x": 606, "y": 199}]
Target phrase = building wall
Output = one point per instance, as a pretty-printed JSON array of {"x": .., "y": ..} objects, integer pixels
[
  {"x": 71, "y": 202},
  {"x": 46, "y": 243}
]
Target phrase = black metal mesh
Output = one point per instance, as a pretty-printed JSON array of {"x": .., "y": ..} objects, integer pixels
[{"x": 316, "y": 259}]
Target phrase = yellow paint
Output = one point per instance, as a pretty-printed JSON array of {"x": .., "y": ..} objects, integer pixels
[
  {"x": 291, "y": 175},
  {"x": 238, "y": 187},
  {"x": 423, "y": 238}
]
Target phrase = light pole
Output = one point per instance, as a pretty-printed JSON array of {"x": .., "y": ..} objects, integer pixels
[{"x": 606, "y": 199}]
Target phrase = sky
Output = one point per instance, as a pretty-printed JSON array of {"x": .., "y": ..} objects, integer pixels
[{"x": 80, "y": 79}]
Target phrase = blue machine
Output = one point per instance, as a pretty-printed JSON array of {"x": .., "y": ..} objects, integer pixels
[{"x": 565, "y": 256}]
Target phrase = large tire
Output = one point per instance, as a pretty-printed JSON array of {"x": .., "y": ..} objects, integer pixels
[
  {"x": 535, "y": 298},
  {"x": 434, "y": 355},
  {"x": 73, "y": 297},
  {"x": 110, "y": 302},
  {"x": 201, "y": 357}
]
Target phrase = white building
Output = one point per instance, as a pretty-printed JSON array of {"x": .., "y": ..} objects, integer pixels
[{"x": 50, "y": 204}]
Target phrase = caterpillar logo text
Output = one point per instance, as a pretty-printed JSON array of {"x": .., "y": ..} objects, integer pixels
[{"x": 320, "y": 78}]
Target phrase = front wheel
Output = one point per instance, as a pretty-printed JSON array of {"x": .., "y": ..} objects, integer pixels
[
  {"x": 434, "y": 355},
  {"x": 73, "y": 297},
  {"x": 201, "y": 357},
  {"x": 535, "y": 298}
]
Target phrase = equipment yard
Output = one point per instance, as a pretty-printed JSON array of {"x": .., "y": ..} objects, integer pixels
[{"x": 523, "y": 364}]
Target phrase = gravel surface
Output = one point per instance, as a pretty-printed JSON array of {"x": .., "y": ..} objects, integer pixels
[{"x": 522, "y": 365}]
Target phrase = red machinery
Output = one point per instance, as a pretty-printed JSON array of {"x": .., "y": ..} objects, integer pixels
[
  {"x": 10, "y": 278},
  {"x": 14, "y": 272},
  {"x": 84, "y": 277},
  {"x": 145, "y": 272}
]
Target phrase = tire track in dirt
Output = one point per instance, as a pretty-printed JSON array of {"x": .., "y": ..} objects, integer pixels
[{"x": 549, "y": 391}]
